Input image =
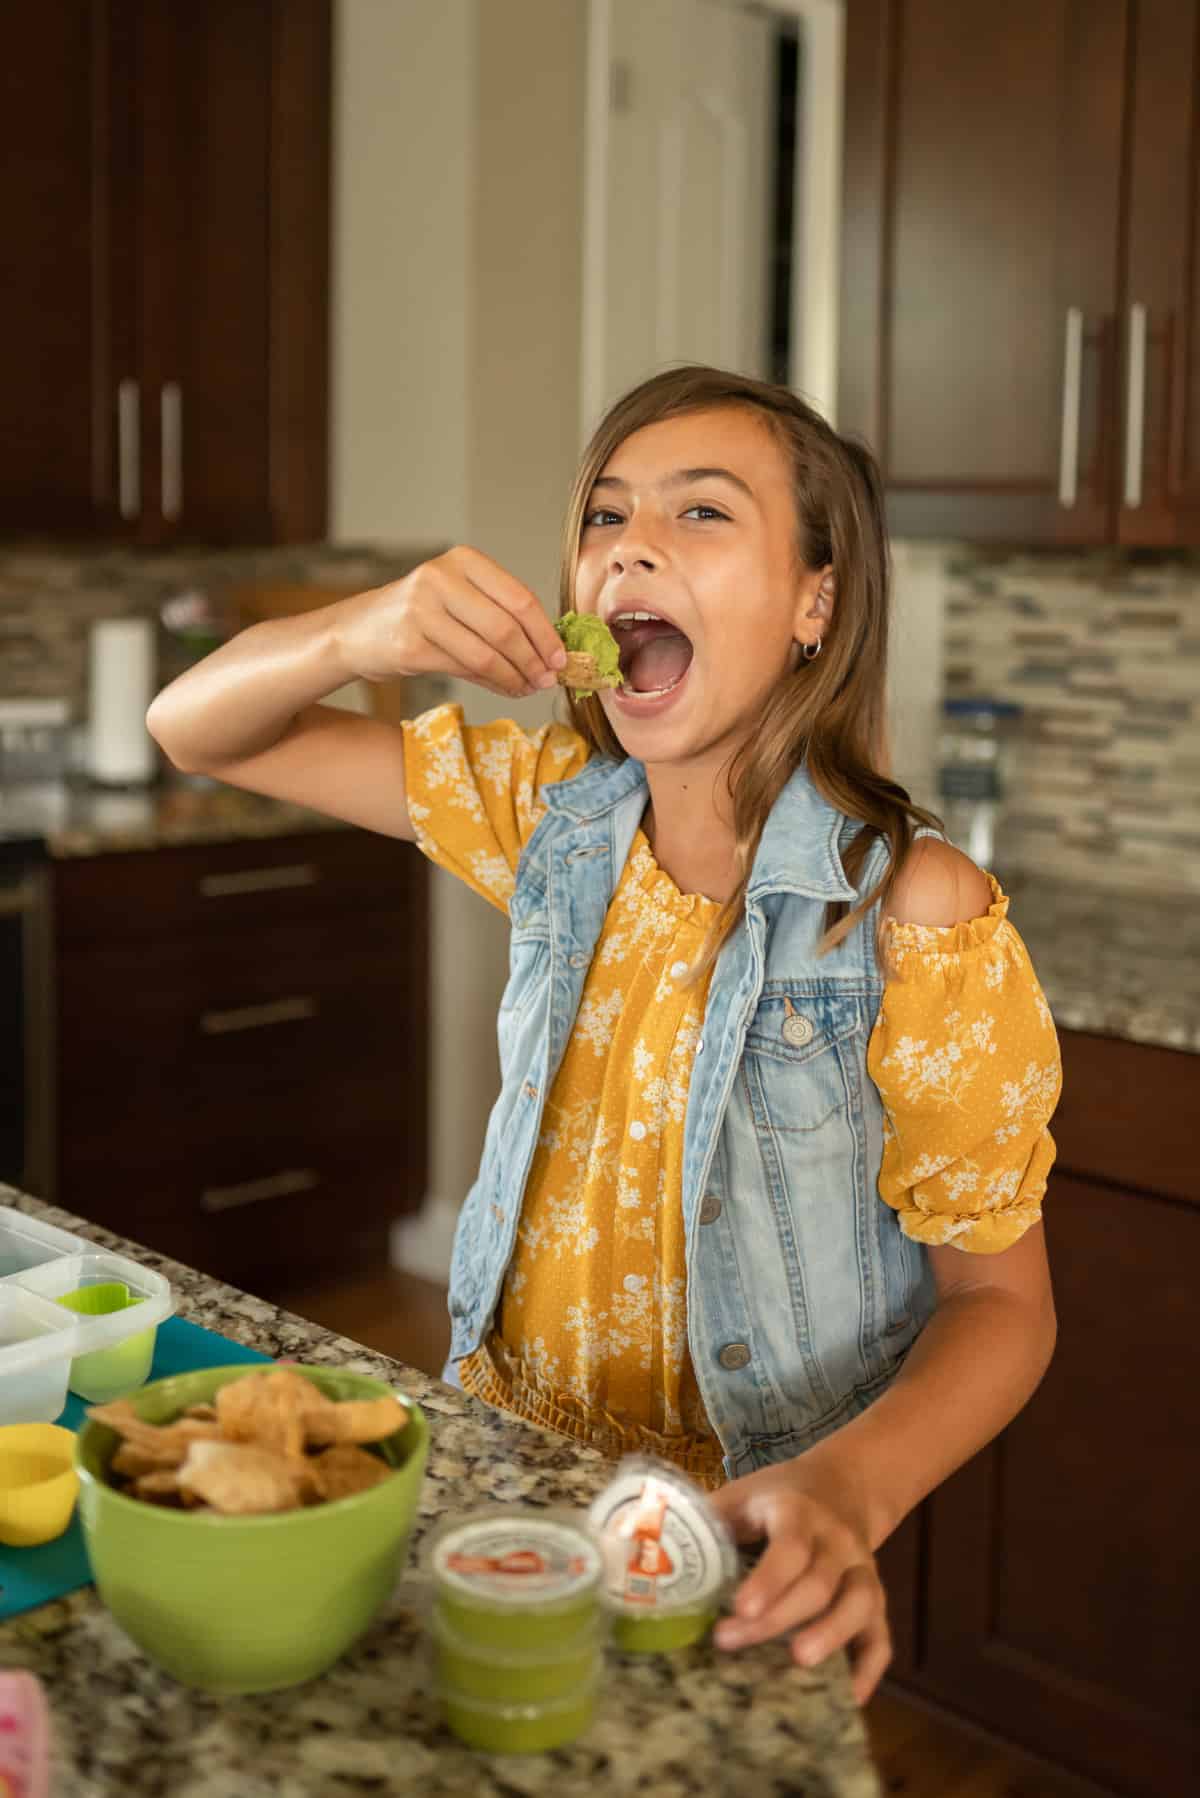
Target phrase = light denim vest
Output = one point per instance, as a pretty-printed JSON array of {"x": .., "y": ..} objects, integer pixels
[{"x": 803, "y": 1294}]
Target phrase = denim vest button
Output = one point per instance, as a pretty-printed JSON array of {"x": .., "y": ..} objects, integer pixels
[
  {"x": 579, "y": 961},
  {"x": 797, "y": 1030},
  {"x": 710, "y": 1208},
  {"x": 733, "y": 1356}
]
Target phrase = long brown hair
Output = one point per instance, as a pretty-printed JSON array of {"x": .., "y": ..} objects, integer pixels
[{"x": 829, "y": 713}]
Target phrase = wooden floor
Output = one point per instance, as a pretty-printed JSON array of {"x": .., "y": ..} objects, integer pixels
[{"x": 918, "y": 1755}]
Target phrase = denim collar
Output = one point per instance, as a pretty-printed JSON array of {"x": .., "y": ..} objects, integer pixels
[{"x": 798, "y": 852}]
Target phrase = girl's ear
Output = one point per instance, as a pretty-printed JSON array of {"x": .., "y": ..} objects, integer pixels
[{"x": 814, "y": 604}]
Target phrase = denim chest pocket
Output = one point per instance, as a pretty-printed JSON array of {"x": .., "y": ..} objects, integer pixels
[{"x": 799, "y": 1056}]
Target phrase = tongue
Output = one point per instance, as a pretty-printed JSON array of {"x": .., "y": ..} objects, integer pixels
[{"x": 659, "y": 663}]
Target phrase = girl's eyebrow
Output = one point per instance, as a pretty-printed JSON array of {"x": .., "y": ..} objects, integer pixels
[{"x": 682, "y": 477}]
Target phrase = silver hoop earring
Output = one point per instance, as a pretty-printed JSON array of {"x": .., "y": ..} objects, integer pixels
[{"x": 811, "y": 651}]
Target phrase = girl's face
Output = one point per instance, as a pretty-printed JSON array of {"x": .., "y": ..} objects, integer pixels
[{"x": 692, "y": 522}]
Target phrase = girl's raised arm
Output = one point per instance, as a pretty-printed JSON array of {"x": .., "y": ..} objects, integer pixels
[{"x": 250, "y": 713}]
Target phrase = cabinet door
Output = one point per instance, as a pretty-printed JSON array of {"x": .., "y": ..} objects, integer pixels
[
  {"x": 1160, "y": 462},
  {"x": 235, "y": 121},
  {"x": 1063, "y": 1575},
  {"x": 980, "y": 261},
  {"x": 66, "y": 295}
]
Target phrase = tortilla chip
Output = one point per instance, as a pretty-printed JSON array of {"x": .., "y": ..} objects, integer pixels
[
  {"x": 242, "y": 1481},
  {"x": 342, "y": 1471},
  {"x": 355, "y": 1420},
  {"x": 268, "y": 1409}
]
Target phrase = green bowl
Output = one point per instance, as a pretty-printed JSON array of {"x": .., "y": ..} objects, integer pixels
[
  {"x": 109, "y": 1373},
  {"x": 247, "y": 1604}
]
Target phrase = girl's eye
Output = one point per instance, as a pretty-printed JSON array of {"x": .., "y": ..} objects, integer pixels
[
  {"x": 602, "y": 515},
  {"x": 706, "y": 510}
]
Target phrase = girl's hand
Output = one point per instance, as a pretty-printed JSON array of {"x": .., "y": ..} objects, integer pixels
[
  {"x": 817, "y": 1576},
  {"x": 461, "y": 614}
]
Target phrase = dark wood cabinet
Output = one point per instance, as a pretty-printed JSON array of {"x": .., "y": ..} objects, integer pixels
[
  {"x": 1048, "y": 1591},
  {"x": 242, "y": 1032},
  {"x": 1020, "y": 201},
  {"x": 164, "y": 179},
  {"x": 1159, "y": 492}
]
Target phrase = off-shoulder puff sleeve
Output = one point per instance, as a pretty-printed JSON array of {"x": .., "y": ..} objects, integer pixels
[
  {"x": 965, "y": 1056},
  {"x": 474, "y": 791}
]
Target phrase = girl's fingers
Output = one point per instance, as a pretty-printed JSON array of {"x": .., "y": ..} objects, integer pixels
[
  {"x": 804, "y": 1580},
  {"x": 857, "y": 1613},
  {"x": 465, "y": 653},
  {"x": 503, "y": 589},
  {"x": 495, "y": 625},
  {"x": 870, "y": 1657}
]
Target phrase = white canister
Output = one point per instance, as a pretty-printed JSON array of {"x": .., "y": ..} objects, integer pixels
[{"x": 122, "y": 678}]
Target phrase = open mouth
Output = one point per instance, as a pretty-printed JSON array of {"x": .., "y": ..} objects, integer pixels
[{"x": 655, "y": 654}]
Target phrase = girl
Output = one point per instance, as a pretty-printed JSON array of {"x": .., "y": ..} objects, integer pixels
[{"x": 752, "y": 994}]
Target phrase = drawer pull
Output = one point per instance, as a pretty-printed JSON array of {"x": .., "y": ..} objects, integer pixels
[
  {"x": 257, "y": 1017},
  {"x": 259, "y": 880},
  {"x": 253, "y": 1192}
]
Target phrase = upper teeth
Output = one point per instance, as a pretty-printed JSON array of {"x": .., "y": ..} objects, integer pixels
[{"x": 636, "y": 618}]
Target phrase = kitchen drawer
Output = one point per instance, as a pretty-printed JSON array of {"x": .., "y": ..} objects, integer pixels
[
  {"x": 263, "y": 1209},
  {"x": 215, "y": 888},
  {"x": 205, "y": 1021},
  {"x": 1128, "y": 1114}
]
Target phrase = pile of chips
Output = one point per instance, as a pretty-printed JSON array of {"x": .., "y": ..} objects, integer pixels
[{"x": 270, "y": 1441}]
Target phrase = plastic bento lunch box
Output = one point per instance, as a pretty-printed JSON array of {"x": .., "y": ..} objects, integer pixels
[{"x": 71, "y": 1316}]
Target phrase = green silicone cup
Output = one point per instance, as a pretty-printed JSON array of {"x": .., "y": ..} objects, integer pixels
[
  {"x": 109, "y": 1373},
  {"x": 519, "y": 1729},
  {"x": 236, "y": 1605},
  {"x": 661, "y": 1635}
]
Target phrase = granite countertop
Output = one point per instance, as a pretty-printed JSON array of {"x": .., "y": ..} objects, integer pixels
[
  {"x": 698, "y": 1722},
  {"x": 73, "y": 819},
  {"x": 1118, "y": 963}
]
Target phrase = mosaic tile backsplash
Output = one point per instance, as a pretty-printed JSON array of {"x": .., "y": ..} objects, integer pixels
[
  {"x": 1103, "y": 656},
  {"x": 50, "y": 595}
]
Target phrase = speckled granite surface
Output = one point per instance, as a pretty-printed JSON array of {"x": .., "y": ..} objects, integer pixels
[
  {"x": 697, "y": 1723},
  {"x": 1120, "y": 964}
]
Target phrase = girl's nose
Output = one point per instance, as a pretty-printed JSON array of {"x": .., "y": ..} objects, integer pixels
[{"x": 634, "y": 550}]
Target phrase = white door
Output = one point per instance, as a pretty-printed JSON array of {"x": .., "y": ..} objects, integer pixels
[{"x": 681, "y": 182}]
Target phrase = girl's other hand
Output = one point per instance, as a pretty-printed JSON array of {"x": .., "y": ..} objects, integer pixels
[
  {"x": 817, "y": 1577},
  {"x": 461, "y": 615}
]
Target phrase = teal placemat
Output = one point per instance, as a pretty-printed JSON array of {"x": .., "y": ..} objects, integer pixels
[{"x": 33, "y": 1576}]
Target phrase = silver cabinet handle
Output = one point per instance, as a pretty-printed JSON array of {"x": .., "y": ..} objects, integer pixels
[
  {"x": 1135, "y": 406},
  {"x": 1068, "y": 462},
  {"x": 253, "y": 1192},
  {"x": 259, "y": 880},
  {"x": 172, "y": 450},
  {"x": 257, "y": 1017},
  {"x": 129, "y": 450}
]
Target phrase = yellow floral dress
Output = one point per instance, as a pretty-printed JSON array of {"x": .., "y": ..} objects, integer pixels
[{"x": 590, "y": 1336}]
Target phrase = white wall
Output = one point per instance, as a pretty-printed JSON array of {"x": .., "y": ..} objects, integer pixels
[
  {"x": 455, "y": 363},
  {"x": 403, "y": 196}
]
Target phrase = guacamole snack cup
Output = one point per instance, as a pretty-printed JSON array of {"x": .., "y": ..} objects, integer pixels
[
  {"x": 668, "y": 1559},
  {"x": 518, "y": 1627},
  {"x": 593, "y": 659},
  {"x": 517, "y": 1728}
]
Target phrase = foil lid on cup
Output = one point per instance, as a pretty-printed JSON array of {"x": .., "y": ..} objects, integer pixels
[
  {"x": 513, "y": 1560},
  {"x": 665, "y": 1549}
]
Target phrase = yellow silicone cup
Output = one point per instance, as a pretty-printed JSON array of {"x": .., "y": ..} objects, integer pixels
[{"x": 38, "y": 1483}]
